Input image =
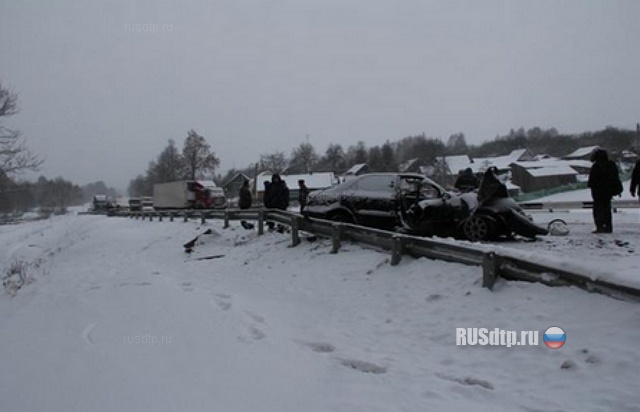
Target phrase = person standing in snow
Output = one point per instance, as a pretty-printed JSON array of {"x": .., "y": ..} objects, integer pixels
[
  {"x": 635, "y": 181},
  {"x": 467, "y": 181},
  {"x": 245, "y": 201},
  {"x": 604, "y": 182},
  {"x": 276, "y": 196},
  {"x": 303, "y": 194}
]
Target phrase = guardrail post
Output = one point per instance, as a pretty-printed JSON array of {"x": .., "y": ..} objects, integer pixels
[
  {"x": 203, "y": 218},
  {"x": 295, "y": 234},
  {"x": 490, "y": 269},
  {"x": 186, "y": 216},
  {"x": 396, "y": 250},
  {"x": 160, "y": 216},
  {"x": 261, "y": 222},
  {"x": 226, "y": 219},
  {"x": 171, "y": 214},
  {"x": 336, "y": 237}
]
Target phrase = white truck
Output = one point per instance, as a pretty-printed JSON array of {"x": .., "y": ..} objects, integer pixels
[{"x": 188, "y": 194}]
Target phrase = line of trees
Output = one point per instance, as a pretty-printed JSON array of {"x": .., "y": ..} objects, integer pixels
[
  {"x": 388, "y": 156},
  {"x": 54, "y": 195}
]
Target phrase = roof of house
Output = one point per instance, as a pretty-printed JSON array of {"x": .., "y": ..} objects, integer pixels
[
  {"x": 236, "y": 176},
  {"x": 207, "y": 183},
  {"x": 559, "y": 170},
  {"x": 581, "y": 152},
  {"x": 355, "y": 169},
  {"x": 501, "y": 162},
  {"x": 553, "y": 167},
  {"x": 459, "y": 162},
  {"x": 407, "y": 165}
]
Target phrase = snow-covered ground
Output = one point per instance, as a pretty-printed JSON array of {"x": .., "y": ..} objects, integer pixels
[{"x": 116, "y": 317}]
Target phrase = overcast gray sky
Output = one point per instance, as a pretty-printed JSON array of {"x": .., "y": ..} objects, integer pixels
[{"x": 104, "y": 85}]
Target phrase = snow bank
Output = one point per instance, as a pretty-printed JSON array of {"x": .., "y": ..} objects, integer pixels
[{"x": 118, "y": 317}]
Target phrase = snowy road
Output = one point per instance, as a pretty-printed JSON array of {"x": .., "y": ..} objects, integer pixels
[{"x": 118, "y": 317}]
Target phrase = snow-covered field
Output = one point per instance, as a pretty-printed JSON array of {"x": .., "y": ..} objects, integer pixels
[{"x": 116, "y": 317}]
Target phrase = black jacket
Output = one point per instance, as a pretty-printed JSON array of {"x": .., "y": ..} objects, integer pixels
[
  {"x": 303, "y": 194},
  {"x": 635, "y": 179},
  {"x": 604, "y": 180},
  {"x": 245, "y": 198},
  {"x": 276, "y": 195},
  {"x": 466, "y": 182}
]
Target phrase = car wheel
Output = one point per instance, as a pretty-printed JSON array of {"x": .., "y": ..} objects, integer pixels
[
  {"x": 341, "y": 217},
  {"x": 525, "y": 227},
  {"x": 558, "y": 227},
  {"x": 479, "y": 227}
]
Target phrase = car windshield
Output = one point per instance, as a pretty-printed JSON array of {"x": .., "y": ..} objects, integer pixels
[
  {"x": 413, "y": 185},
  {"x": 377, "y": 183}
]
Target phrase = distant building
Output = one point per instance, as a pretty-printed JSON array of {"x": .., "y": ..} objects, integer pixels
[
  {"x": 357, "y": 170},
  {"x": 503, "y": 163},
  {"x": 232, "y": 186},
  {"x": 541, "y": 175},
  {"x": 410, "y": 166},
  {"x": 583, "y": 153}
]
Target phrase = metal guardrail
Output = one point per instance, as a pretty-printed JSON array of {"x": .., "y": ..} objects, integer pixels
[
  {"x": 551, "y": 206},
  {"x": 494, "y": 265}
]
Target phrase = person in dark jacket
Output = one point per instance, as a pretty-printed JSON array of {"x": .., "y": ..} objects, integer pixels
[
  {"x": 491, "y": 187},
  {"x": 635, "y": 181},
  {"x": 303, "y": 194},
  {"x": 276, "y": 196},
  {"x": 604, "y": 182},
  {"x": 245, "y": 202},
  {"x": 467, "y": 181}
]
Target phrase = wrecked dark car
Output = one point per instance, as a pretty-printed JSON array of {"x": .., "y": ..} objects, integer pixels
[{"x": 414, "y": 204}]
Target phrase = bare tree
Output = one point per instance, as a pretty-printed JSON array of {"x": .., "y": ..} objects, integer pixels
[
  {"x": 198, "y": 157},
  {"x": 388, "y": 157},
  {"x": 457, "y": 144},
  {"x": 57, "y": 194},
  {"x": 304, "y": 157},
  {"x": 274, "y": 162},
  {"x": 334, "y": 157},
  {"x": 140, "y": 186},
  {"x": 170, "y": 165},
  {"x": 15, "y": 157},
  {"x": 357, "y": 154}
]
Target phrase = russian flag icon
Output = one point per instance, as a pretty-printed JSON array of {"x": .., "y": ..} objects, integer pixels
[{"x": 554, "y": 337}]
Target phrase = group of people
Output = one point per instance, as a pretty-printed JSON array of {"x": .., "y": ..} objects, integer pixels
[
  {"x": 604, "y": 182},
  {"x": 276, "y": 196}
]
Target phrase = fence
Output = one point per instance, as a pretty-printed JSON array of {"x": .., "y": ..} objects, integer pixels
[
  {"x": 494, "y": 265},
  {"x": 554, "y": 206}
]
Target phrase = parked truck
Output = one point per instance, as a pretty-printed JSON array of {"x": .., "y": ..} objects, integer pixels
[{"x": 188, "y": 194}]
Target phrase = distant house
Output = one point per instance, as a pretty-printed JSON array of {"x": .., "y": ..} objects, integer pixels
[
  {"x": 583, "y": 153},
  {"x": 503, "y": 163},
  {"x": 454, "y": 164},
  {"x": 232, "y": 186},
  {"x": 410, "y": 166},
  {"x": 357, "y": 170},
  {"x": 542, "y": 174}
]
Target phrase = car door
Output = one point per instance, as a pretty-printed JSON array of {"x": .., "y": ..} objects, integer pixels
[{"x": 373, "y": 201}]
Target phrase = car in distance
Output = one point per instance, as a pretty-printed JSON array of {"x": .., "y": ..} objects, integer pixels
[{"x": 415, "y": 204}]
